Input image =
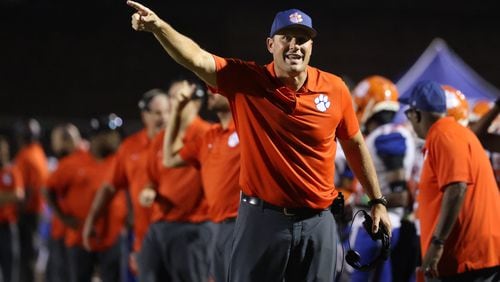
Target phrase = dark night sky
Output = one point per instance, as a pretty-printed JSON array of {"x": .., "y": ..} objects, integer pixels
[{"x": 67, "y": 59}]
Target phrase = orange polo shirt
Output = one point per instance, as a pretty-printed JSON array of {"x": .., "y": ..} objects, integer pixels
[
  {"x": 287, "y": 138},
  {"x": 217, "y": 154},
  {"x": 182, "y": 187},
  {"x": 452, "y": 153},
  {"x": 77, "y": 179},
  {"x": 130, "y": 173},
  {"x": 10, "y": 181},
  {"x": 32, "y": 162}
]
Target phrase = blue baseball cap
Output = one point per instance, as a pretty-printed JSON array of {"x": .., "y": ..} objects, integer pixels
[
  {"x": 427, "y": 96},
  {"x": 292, "y": 18}
]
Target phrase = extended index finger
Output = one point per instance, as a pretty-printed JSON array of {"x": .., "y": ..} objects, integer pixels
[
  {"x": 376, "y": 223},
  {"x": 143, "y": 10}
]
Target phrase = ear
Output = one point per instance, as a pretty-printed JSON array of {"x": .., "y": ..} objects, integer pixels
[{"x": 270, "y": 44}]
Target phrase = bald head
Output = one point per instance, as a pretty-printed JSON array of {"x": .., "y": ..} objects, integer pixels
[{"x": 65, "y": 138}]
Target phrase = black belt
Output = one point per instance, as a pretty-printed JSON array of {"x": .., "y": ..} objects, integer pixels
[
  {"x": 303, "y": 211},
  {"x": 228, "y": 220}
]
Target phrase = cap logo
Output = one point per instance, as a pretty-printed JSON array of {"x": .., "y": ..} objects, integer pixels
[{"x": 295, "y": 17}]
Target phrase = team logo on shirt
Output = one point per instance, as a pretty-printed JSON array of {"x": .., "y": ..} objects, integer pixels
[
  {"x": 233, "y": 140},
  {"x": 295, "y": 18},
  {"x": 322, "y": 103},
  {"x": 7, "y": 179}
]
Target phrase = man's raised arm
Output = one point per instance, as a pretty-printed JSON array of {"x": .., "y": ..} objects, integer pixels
[{"x": 181, "y": 48}]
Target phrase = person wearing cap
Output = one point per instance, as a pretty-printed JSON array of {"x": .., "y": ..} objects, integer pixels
[
  {"x": 130, "y": 172},
  {"x": 458, "y": 198},
  {"x": 288, "y": 116},
  {"x": 71, "y": 190}
]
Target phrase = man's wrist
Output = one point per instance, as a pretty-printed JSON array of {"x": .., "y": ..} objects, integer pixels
[
  {"x": 378, "y": 201},
  {"x": 159, "y": 26},
  {"x": 437, "y": 241}
]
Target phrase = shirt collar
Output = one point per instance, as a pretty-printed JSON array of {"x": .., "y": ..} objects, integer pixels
[{"x": 311, "y": 84}]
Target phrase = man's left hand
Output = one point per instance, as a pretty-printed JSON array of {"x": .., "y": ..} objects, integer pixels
[
  {"x": 380, "y": 216},
  {"x": 431, "y": 260}
]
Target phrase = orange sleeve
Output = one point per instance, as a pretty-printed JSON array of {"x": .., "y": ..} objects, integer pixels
[
  {"x": 59, "y": 180},
  {"x": 17, "y": 178},
  {"x": 235, "y": 76},
  {"x": 190, "y": 152},
  {"x": 120, "y": 180},
  {"x": 450, "y": 163},
  {"x": 39, "y": 170},
  {"x": 348, "y": 125},
  {"x": 152, "y": 164},
  {"x": 21, "y": 164}
]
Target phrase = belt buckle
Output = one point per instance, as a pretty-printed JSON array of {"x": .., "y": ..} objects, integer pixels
[{"x": 285, "y": 212}]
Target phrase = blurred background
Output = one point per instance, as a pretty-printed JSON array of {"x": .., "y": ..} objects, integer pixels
[{"x": 74, "y": 59}]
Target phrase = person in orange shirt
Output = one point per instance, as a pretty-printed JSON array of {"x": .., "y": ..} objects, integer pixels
[
  {"x": 458, "y": 198},
  {"x": 179, "y": 240},
  {"x": 78, "y": 178},
  {"x": 32, "y": 162},
  {"x": 11, "y": 193},
  {"x": 65, "y": 138},
  {"x": 485, "y": 123},
  {"x": 217, "y": 155},
  {"x": 288, "y": 116},
  {"x": 490, "y": 140},
  {"x": 130, "y": 172}
]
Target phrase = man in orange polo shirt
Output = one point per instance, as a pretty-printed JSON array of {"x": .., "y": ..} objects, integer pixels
[
  {"x": 130, "y": 171},
  {"x": 78, "y": 178},
  {"x": 65, "y": 139},
  {"x": 177, "y": 244},
  {"x": 11, "y": 193},
  {"x": 458, "y": 198},
  {"x": 217, "y": 155},
  {"x": 32, "y": 162},
  {"x": 288, "y": 116}
]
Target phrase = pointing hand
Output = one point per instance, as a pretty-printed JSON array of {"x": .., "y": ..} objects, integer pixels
[{"x": 143, "y": 19}]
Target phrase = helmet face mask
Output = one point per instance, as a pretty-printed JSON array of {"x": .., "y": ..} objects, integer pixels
[
  {"x": 456, "y": 105},
  {"x": 373, "y": 95}
]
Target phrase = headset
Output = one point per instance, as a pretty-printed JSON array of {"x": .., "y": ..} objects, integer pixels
[{"x": 353, "y": 258}]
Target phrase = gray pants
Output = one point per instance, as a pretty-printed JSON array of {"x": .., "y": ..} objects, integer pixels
[
  {"x": 270, "y": 246},
  {"x": 57, "y": 270},
  {"x": 175, "y": 251},
  {"x": 83, "y": 263},
  {"x": 28, "y": 225},
  {"x": 9, "y": 252},
  {"x": 222, "y": 252}
]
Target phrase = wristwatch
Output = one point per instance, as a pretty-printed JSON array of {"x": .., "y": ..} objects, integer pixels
[{"x": 382, "y": 201}]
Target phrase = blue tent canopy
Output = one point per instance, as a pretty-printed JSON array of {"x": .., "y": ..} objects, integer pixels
[{"x": 441, "y": 64}]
